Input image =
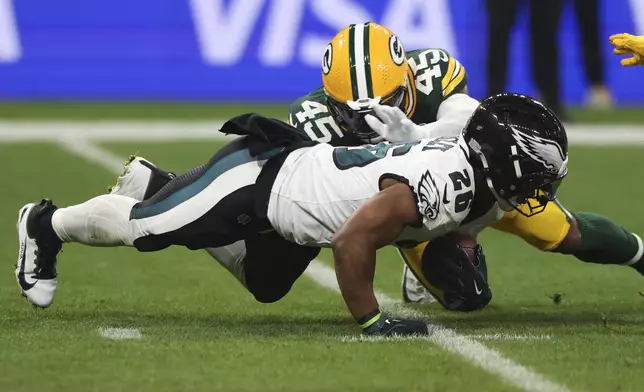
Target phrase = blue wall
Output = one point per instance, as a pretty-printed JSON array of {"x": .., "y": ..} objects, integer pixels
[{"x": 254, "y": 50}]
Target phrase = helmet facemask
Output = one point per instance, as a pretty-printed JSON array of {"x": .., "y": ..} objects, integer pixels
[
  {"x": 350, "y": 115},
  {"x": 364, "y": 64}
]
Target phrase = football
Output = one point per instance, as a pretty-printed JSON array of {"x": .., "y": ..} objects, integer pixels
[
  {"x": 459, "y": 282},
  {"x": 443, "y": 249}
]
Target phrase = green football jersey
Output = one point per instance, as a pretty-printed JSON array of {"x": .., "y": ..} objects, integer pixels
[{"x": 435, "y": 76}]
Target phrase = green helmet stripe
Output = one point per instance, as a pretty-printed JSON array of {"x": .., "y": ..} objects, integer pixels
[
  {"x": 352, "y": 62},
  {"x": 367, "y": 61}
]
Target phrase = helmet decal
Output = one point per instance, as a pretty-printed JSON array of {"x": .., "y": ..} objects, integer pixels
[
  {"x": 396, "y": 50},
  {"x": 327, "y": 59},
  {"x": 547, "y": 152},
  {"x": 522, "y": 148}
]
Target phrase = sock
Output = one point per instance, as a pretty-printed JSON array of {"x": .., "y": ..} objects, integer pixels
[
  {"x": 44, "y": 227},
  {"x": 232, "y": 258},
  {"x": 605, "y": 242},
  {"x": 101, "y": 221}
]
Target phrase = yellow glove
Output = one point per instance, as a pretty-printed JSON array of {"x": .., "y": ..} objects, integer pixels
[{"x": 629, "y": 44}]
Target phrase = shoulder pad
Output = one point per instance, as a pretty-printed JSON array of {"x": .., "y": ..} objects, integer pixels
[{"x": 436, "y": 70}]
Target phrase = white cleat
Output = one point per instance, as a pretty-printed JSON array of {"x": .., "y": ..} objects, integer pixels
[
  {"x": 36, "y": 269},
  {"x": 413, "y": 290},
  {"x": 140, "y": 179}
]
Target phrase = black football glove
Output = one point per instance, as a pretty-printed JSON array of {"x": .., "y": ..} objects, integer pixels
[{"x": 385, "y": 325}]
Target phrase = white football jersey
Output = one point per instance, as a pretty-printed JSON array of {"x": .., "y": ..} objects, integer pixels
[{"x": 318, "y": 188}]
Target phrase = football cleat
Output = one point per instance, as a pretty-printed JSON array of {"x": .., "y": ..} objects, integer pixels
[
  {"x": 38, "y": 247},
  {"x": 413, "y": 291},
  {"x": 140, "y": 179}
]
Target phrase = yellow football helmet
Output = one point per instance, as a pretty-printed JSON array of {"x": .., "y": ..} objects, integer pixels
[{"x": 364, "y": 64}]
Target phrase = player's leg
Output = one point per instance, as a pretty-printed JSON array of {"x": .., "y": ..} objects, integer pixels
[
  {"x": 545, "y": 16},
  {"x": 594, "y": 238},
  {"x": 141, "y": 179},
  {"x": 42, "y": 229},
  {"x": 272, "y": 264},
  {"x": 501, "y": 17},
  {"x": 198, "y": 209},
  {"x": 231, "y": 257},
  {"x": 588, "y": 236},
  {"x": 413, "y": 289}
]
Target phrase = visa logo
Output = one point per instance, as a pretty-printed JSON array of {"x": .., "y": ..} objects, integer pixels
[
  {"x": 224, "y": 28},
  {"x": 10, "y": 50}
]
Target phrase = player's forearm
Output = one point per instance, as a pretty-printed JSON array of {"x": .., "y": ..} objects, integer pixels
[
  {"x": 355, "y": 269},
  {"x": 452, "y": 117}
]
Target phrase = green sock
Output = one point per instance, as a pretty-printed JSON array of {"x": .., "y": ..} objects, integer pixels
[{"x": 605, "y": 242}]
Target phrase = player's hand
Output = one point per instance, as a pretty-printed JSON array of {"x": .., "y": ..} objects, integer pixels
[
  {"x": 388, "y": 326},
  {"x": 627, "y": 44},
  {"x": 393, "y": 125}
]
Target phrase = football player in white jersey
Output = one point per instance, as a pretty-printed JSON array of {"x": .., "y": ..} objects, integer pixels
[{"x": 283, "y": 192}]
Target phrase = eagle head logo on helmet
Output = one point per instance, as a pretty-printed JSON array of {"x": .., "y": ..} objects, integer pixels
[{"x": 547, "y": 152}]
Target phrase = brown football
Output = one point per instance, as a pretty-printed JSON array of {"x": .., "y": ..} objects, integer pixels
[{"x": 443, "y": 248}]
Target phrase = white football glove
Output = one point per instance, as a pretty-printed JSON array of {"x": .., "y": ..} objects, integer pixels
[{"x": 393, "y": 125}]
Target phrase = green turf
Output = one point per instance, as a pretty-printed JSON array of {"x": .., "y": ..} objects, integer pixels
[
  {"x": 203, "y": 332},
  {"x": 133, "y": 110},
  {"x": 27, "y": 110}
]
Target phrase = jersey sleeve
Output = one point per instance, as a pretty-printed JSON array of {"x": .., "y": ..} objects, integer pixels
[
  {"x": 443, "y": 192},
  {"x": 454, "y": 79}
]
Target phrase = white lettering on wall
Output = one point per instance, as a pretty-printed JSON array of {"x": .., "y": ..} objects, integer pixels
[
  {"x": 223, "y": 36},
  {"x": 421, "y": 24},
  {"x": 10, "y": 50},
  {"x": 224, "y": 32}
]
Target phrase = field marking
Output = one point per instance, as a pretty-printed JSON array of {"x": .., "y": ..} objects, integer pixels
[
  {"x": 92, "y": 153},
  {"x": 120, "y": 333},
  {"x": 488, "y": 359},
  {"x": 502, "y": 337},
  {"x": 164, "y": 131}
]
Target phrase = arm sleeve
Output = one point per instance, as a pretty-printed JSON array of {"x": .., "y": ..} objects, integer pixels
[{"x": 453, "y": 114}]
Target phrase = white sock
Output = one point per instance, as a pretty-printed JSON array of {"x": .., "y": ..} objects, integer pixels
[
  {"x": 231, "y": 257},
  {"x": 101, "y": 221}
]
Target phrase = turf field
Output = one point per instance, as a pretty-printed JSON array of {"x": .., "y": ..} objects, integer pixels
[{"x": 176, "y": 321}]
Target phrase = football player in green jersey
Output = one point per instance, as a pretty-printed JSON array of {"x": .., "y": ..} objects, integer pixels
[{"x": 366, "y": 64}]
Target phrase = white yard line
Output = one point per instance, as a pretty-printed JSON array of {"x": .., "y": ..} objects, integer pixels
[
  {"x": 509, "y": 337},
  {"x": 475, "y": 352},
  {"x": 501, "y": 337},
  {"x": 29, "y": 131},
  {"x": 120, "y": 333},
  {"x": 92, "y": 153}
]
